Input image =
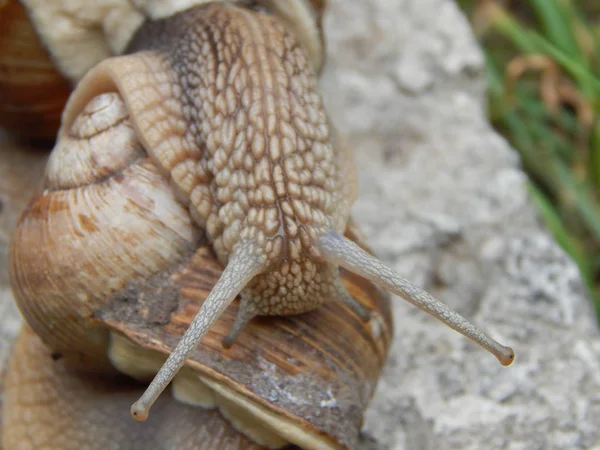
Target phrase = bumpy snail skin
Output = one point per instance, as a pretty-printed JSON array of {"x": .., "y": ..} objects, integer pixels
[
  {"x": 303, "y": 18},
  {"x": 105, "y": 216}
]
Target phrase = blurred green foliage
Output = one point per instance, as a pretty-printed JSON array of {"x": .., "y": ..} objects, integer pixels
[{"x": 543, "y": 67}]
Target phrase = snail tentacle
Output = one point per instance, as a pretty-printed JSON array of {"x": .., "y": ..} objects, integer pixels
[
  {"x": 244, "y": 264},
  {"x": 350, "y": 301},
  {"x": 339, "y": 250},
  {"x": 245, "y": 314}
]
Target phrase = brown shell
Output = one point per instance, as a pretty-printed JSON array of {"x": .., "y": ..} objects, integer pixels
[
  {"x": 48, "y": 406},
  {"x": 106, "y": 215},
  {"x": 32, "y": 91}
]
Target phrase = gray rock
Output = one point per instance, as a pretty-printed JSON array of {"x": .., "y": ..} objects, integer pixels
[{"x": 443, "y": 200}]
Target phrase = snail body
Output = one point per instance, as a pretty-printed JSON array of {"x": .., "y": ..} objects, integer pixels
[
  {"x": 257, "y": 167},
  {"x": 210, "y": 131}
]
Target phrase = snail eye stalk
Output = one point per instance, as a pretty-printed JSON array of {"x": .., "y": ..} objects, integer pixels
[
  {"x": 243, "y": 265},
  {"x": 343, "y": 252}
]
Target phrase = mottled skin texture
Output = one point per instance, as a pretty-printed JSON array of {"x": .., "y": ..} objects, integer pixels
[{"x": 261, "y": 165}]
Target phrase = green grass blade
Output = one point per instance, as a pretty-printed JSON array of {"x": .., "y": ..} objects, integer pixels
[
  {"x": 568, "y": 242},
  {"x": 552, "y": 16}
]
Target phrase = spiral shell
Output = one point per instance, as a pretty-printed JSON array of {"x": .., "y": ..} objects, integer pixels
[{"x": 106, "y": 216}]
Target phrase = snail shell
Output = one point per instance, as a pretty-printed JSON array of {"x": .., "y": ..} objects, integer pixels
[
  {"x": 106, "y": 216},
  {"x": 129, "y": 272},
  {"x": 32, "y": 91}
]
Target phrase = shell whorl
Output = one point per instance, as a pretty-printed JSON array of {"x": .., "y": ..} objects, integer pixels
[
  {"x": 106, "y": 216},
  {"x": 101, "y": 142}
]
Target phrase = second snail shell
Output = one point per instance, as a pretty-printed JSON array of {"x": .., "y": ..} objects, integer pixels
[{"x": 33, "y": 92}]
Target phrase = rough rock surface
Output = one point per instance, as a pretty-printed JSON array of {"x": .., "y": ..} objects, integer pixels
[{"x": 443, "y": 200}]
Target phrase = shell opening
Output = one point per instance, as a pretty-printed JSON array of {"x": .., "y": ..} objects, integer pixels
[
  {"x": 288, "y": 429},
  {"x": 133, "y": 360},
  {"x": 143, "y": 364},
  {"x": 189, "y": 388}
]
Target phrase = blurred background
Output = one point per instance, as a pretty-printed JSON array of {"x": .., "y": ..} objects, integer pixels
[{"x": 543, "y": 70}]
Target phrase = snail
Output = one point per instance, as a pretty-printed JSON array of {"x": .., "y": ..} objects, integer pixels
[
  {"x": 130, "y": 270},
  {"x": 207, "y": 146}
]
